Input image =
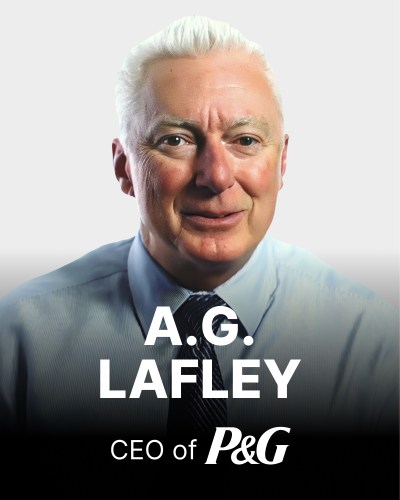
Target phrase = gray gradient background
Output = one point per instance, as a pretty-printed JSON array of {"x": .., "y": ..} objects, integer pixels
[{"x": 336, "y": 63}]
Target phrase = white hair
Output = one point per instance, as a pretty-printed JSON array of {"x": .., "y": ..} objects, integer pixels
[{"x": 192, "y": 36}]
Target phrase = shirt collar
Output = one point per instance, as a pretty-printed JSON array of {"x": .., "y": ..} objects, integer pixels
[{"x": 249, "y": 292}]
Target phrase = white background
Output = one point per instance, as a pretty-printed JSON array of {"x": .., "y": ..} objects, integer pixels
[{"x": 336, "y": 63}]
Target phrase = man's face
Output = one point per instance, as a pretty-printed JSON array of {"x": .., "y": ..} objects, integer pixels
[{"x": 209, "y": 163}]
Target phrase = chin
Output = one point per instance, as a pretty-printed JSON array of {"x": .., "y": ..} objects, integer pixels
[{"x": 217, "y": 255}]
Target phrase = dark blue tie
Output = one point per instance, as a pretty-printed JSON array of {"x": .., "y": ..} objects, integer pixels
[{"x": 192, "y": 414}]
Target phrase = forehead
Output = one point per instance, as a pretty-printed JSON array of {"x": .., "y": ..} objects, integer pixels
[{"x": 227, "y": 85}]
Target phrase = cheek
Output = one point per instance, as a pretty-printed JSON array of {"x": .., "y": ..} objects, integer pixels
[
  {"x": 160, "y": 184},
  {"x": 261, "y": 180}
]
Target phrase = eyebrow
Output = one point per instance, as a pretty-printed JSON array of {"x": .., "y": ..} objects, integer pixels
[
  {"x": 194, "y": 126},
  {"x": 254, "y": 121}
]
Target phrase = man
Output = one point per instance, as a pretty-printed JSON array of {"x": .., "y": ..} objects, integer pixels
[{"x": 203, "y": 150}]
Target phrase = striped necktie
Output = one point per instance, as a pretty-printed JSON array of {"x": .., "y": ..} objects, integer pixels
[{"x": 192, "y": 414}]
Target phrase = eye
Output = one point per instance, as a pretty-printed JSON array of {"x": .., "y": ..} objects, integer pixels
[
  {"x": 176, "y": 145},
  {"x": 174, "y": 140},
  {"x": 247, "y": 141},
  {"x": 243, "y": 144}
]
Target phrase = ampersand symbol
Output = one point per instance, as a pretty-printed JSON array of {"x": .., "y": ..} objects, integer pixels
[{"x": 247, "y": 442}]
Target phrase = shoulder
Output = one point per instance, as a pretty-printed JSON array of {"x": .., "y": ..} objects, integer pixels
[
  {"x": 93, "y": 268},
  {"x": 297, "y": 265},
  {"x": 311, "y": 289}
]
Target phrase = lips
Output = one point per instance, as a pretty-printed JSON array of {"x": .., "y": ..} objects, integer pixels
[
  {"x": 210, "y": 215},
  {"x": 210, "y": 219}
]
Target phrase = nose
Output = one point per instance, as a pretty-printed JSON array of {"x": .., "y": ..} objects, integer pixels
[{"x": 214, "y": 167}]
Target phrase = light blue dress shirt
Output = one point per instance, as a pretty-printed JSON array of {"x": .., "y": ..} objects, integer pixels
[{"x": 56, "y": 329}]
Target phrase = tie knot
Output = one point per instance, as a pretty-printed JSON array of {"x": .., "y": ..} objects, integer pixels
[
  {"x": 190, "y": 314},
  {"x": 203, "y": 301}
]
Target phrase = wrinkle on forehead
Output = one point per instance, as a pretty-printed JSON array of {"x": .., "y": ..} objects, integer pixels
[{"x": 212, "y": 93}]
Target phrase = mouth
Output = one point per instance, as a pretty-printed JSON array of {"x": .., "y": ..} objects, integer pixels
[
  {"x": 211, "y": 215},
  {"x": 213, "y": 219}
]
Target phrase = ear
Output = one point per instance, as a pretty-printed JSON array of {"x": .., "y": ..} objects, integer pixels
[
  {"x": 122, "y": 168},
  {"x": 283, "y": 158}
]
